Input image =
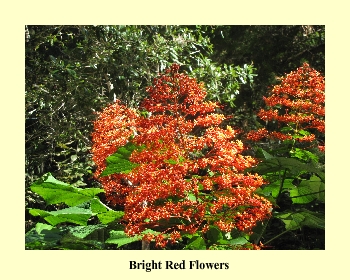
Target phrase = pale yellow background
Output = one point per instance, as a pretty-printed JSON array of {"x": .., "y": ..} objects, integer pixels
[{"x": 16, "y": 263}]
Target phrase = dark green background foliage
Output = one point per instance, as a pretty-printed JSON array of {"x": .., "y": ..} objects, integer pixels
[{"x": 72, "y": 72}]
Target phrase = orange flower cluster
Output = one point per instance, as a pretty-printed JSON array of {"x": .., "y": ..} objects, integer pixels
[
  {"x": 112, "y": 129},
  {"x": 190, "y": 172},
  {"x": 297, "y": 102}
]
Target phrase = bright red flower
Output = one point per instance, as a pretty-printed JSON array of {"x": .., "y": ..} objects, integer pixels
[{"x": 298, "y": 103}]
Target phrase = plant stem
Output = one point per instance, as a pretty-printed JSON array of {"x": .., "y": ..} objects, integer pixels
[
  {"x": 262, "y": 232},
  {"x": 276, "y": 237},
  {"x": 281, "y": 185},
  {"x": 307, "y": 194},
  {"x": 279, "y": 193}
]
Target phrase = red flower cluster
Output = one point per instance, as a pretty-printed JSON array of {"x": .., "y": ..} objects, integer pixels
[
  {"x": 190, "y": 172},
  {"x": 112, "y": 129},
  {"x": 298, "y": 102}
]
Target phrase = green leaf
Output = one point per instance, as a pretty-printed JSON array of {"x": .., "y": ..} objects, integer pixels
[
  {"x": 304, "y": 155},
  {"x": 84, "y": 231},
  {"x": 293, "y": 165},
  {"x": 214, "y": 235},
  {"x": 71, "y": 242},
  {"x": 303, "y": 132},
  {"x": 97, "y": 207},
  {"x": 316, "y": 185},
  {"x": 292, "y": 221},
  {"x": 196, "y": 243},
  {"x": 69, "y": 218},
  {"x": 308, "y": 190},
  {"x": 54, "y": 191},
  {"x": 110, "y": 216},
  {"x": 296, "y": 220},
  {"x": 39, "y": 212},
  {"x": 171, "y": 161},
  {"x": 274, "y": 188},
  {"x": 119, "y": 161},
  {"x": 75, "y": 215},
  {"x": 126, "y": 150},
  {"x": 71, "y": 72},
  {"x": 43, "y": 236},
  {"x": 191, "y": 197},
  {"x": 238, "y": 241},
  {"x": 120, "y": 238},
  {"x": 118, "y": 166},
  {"x": 266, "y": 194},
  {"x": 71, "y": 211},
  {"x": 264, "y": 154},
  {"x": 314, "y": 220}
]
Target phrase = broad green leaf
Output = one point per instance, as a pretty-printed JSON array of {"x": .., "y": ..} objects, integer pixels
[
  {"x": 97, "y": 207},
  {"x": 316, "y": 185},
  {"x": 267, "y": 194},
  {"x": 264, "y": 154},
  {"x": 90, "y": 192},
  {"x": 110, "y": 216},
  {"x": 120, "y": 238},
  {"x": 118, "y": 166},
  {"x": 303, "y": 132},
  {"x": 119, "y": 161},
  {"x": 80, "y": 219},
  {"x": 293, "y": 165},
  {"x": 39, "y": 212},
  {"x": 288, "y": 184},
  {"x": 238, "y": 241},
  {"x": 314, "y": 220},
  {"x": 191, "y": 197},
  {"x": 214, "y": 234},
  {"x": 308, "y": 190},
  {"x": 125, "y": 151},
  {"x": 304, "y": 155},
  {"x": 196, "y": 243},
  {"x": 72, "y": 242},
  {"x": 296, "y": 220},
  {"x": 43, "y": 236},
  {"x": 54, "y": 191},
  {"x": 302, "y": 194},
  {"x": 74, "y": 215},
  {"x": 48, "y": 178},
  {"x": 84, "y": 231},
  {"x": 274, "y": 187},
  {"x": 292, "y": 221},
  {"x": 71, "y": 211},
  {"x": 40, "y": 227}
]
